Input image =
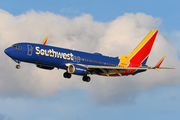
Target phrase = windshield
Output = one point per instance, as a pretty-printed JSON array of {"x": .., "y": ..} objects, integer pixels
[{"x": 17, "y": 47}]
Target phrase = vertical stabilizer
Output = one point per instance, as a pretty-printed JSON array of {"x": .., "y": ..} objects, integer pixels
[{"x": 141, "y": 53}]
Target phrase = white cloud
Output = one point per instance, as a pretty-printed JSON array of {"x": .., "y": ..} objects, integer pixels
[{"x": 118, "y": 37}]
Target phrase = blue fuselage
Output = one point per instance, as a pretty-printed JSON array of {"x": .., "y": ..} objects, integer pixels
[{"x": 57, "y": 57}]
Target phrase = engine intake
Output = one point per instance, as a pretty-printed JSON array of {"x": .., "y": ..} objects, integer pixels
[{"x": 77, "y": 69}]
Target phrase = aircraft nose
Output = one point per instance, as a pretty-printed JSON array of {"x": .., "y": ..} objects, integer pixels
[{"x": 6, "y": 51}]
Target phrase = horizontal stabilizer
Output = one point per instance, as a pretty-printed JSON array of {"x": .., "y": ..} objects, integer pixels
[
  {"x": 165, "y": 68},
  {"x": 158, "y": 65}
]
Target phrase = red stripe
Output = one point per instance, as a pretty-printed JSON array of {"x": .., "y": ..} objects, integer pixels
[{"x": 144, "y": 51}]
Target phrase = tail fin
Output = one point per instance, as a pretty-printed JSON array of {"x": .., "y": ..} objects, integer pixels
[{"x": 141, "y": 53}]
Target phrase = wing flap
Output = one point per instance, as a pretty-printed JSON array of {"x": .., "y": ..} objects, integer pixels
[{"x": 115, "y": 68}]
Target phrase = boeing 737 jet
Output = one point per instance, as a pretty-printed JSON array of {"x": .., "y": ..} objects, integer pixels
[{"x": 82, "y": 63}]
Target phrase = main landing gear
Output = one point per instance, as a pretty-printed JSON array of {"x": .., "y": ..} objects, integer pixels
[
  {"x": 86, "y": 78},
  {"x": 67, "y": 75}
]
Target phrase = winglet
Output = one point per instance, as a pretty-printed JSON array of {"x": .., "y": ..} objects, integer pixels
[
  {"x": 45, "y": 40},
  {"x": 159, "y": 63}
]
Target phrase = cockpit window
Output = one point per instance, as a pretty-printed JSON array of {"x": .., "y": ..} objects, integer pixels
[{"x": 17, "y": 47}]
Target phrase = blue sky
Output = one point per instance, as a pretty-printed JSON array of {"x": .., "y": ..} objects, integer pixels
[
  {"x": 101, "y": 10},
  {"x": 152, "y": 104}
]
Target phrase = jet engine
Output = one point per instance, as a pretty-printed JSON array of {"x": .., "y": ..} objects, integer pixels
[{"x": 77, "y": 69}]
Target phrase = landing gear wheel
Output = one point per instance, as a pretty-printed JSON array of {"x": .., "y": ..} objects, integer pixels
[
  {"x": 67, "y": 75},
  {"x": 18, "y": 66},
  {"x": 86, "y": 79}
]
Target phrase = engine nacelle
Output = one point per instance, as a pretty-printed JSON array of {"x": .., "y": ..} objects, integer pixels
[
  {"x": 77, "y": 69},
  {"x": 45, "y": 67}
]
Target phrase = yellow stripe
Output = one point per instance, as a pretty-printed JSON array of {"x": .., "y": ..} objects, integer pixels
[
  {"x": 125, "y": 60},
  {"x": 142, "y": 43},
  {"x": 160, "y": 61}
]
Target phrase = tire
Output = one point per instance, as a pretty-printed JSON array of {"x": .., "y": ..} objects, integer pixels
[
  {"x": 18, "y": 66},
  {"x": 67, "y": 75},
  {"x": 86, "y": 78}
]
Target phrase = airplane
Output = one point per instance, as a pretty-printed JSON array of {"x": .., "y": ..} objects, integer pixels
[{"x": 83, "y": 63}]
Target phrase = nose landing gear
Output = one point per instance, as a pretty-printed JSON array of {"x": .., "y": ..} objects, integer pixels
[
  {"x": 17, "y": 61},
  {"x": 18, "y": 66}
]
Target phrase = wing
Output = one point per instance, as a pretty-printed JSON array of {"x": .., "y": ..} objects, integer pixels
[
  {"x": 118, "y": 70},
  {"x": 108, "y": 69}
]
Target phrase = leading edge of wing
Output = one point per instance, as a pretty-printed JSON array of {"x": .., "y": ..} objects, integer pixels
[{"x": 116, "y": 68}]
